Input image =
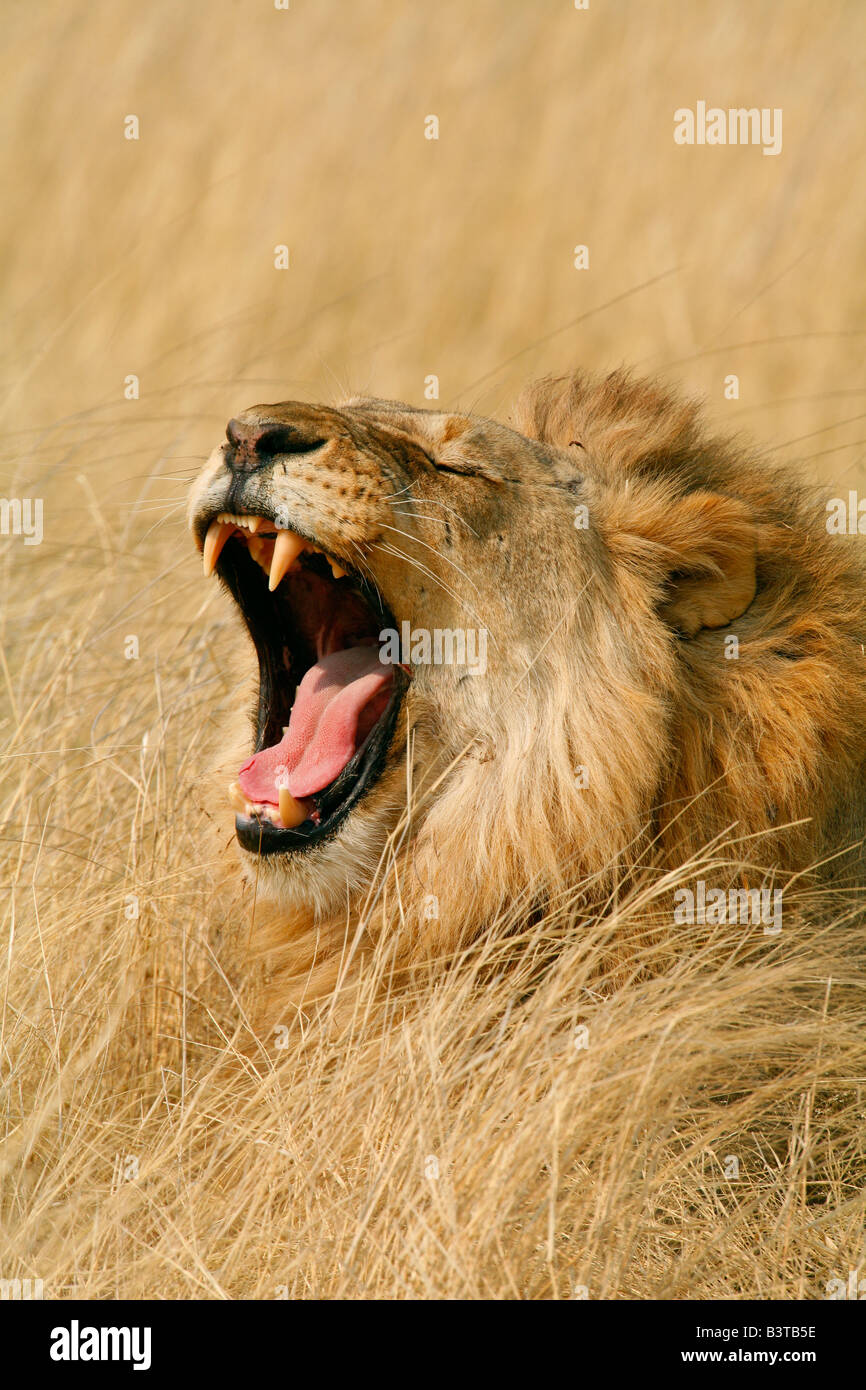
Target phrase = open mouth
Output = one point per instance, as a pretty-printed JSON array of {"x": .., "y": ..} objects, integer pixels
[{"x": 327, "y": 706}]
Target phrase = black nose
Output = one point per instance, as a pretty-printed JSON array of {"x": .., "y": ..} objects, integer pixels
[{"x": 255, "y": 443}]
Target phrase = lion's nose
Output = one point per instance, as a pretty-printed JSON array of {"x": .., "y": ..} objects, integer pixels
[{"x": 254, "y": 444}]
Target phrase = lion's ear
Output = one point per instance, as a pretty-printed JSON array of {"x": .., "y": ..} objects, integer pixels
[
  {"x": 701, "y": 550},
  {"x": 712, "y": 578}
]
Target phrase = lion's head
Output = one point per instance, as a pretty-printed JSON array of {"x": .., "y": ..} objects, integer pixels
[{"x": 514, "y": 660}]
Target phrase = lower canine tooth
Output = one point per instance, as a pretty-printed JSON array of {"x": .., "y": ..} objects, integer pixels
[
  {"x": 287, "y": 548},
  {"x": 292, "y": 812}
]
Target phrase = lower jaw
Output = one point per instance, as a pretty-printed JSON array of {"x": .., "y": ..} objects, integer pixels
[{"x": 258, "y": 835}]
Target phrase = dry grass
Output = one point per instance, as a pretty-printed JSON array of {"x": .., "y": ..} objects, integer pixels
[{"x": 309, "y": 1168}]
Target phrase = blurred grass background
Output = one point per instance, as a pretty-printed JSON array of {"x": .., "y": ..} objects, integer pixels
[{"x": 408, "y": 257}]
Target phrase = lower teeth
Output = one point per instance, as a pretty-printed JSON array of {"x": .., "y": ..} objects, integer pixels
[{"x": 290, "y": 814}]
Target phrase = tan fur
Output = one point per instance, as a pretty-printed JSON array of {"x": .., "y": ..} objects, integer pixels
[{"x": 606, "y": 652}]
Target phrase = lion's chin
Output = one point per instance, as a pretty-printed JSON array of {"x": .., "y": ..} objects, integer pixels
[{"x": 336, "y": 869}]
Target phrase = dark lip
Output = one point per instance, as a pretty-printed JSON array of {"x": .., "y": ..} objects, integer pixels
[{"x": 259, "y": 609}]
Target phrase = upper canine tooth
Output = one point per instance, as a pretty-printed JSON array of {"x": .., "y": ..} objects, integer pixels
[
  {"x": 337, "y": 570},
  {"x": 217, "y": 535},
  {"x": 287, "y": 548}
]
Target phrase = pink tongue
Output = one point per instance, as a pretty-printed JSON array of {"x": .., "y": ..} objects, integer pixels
[{"x": 337, "y": 703}]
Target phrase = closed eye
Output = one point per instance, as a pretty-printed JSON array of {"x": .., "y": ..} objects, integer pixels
[
  {"x": 462, "y": 472},
  {"x": 461, "y": 469}
]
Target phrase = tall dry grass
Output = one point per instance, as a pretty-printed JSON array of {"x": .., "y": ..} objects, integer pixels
[{"x": 464, "y": 1145}]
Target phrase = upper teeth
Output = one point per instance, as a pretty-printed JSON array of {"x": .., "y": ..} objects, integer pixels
[
  {"x": 252, "y": 523},
  {"x": 276, "y": 555}
]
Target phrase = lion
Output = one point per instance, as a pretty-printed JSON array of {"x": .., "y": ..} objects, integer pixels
[{"x": 501, "y": 664}]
